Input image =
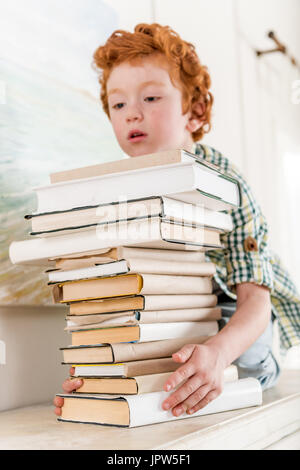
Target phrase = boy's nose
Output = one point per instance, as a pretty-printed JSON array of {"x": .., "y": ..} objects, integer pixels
[{"x": 134, "y": 114}]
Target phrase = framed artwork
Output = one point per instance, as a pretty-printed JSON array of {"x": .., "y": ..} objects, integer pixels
[{"x": 50, "y": 116}]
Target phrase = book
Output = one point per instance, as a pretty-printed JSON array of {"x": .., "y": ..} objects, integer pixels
[
  {"x": 81, "y": 218},
  {"x": 126, "y": 352},
  {"x": 166, "y": 157},
  {"x": 119, "y": 253},
  {"x": 134, "y": 266},
  {"x": 135, "y": 317},
  {"x": 133, "y": 385},
  {"x": 130, "y": 284},
  {"x": 151, "y": 233},
  {"x": 143, "y": 303},
  {"x": 126, "y": 386},
  {"x": 144, "y": 409},
  {"x": 189, "y": 180},
  {"x": 126, "y": 369},
  {"x": 147, "y": 367},
  {"x": 142, "y": 332}
]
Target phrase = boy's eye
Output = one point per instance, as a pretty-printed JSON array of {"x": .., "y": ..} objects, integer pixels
[
  {"x": 152, "y": 98},
  {"x": 118, "y": 106}
]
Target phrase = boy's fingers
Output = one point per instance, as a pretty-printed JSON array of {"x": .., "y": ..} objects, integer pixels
[
  {"x": 58, "y": 401},
  {"x": 182, "y": 393},
  {"x": 184, "y": 353},
  {"x": 57, "y": 411},
  {"x": 179, "y": 376},
  {"x": 72, "y": 370},
  {"x": 212, "y": 395},
  {"x": 70, "y": 385},
  {"x": 196, "y": 397}
]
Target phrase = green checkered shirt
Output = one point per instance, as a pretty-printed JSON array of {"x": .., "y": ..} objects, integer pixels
[{"x": 234, "y": 265}]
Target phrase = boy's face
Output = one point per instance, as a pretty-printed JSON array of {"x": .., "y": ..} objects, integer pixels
[{"x": 146, "y": 108}]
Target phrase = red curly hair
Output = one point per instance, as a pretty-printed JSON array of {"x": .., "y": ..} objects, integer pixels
[{"x": 184, "y": 65}]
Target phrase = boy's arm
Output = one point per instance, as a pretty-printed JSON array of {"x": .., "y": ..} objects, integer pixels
[{"x": 204, "y": 364}]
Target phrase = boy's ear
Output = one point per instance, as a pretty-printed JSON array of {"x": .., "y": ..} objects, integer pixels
[{"x": 196, "y": 117}]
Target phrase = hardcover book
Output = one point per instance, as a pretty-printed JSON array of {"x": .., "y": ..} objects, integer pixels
[
  {"x": 144, "y": 409},
  {"x": 130, "y": 284},
  {"x": 143, "y": 332}
]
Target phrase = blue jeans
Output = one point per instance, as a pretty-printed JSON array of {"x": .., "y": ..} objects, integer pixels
[{"x": 258, "y": 360}]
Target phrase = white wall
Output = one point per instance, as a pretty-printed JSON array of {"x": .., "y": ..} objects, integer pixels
[
  {"x": 210, "y": 26},
  {"x": 31, "y": 370},
  {"x": 255, "y": 120}
]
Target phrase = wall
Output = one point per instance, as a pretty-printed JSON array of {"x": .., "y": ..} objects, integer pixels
[
  {"x": 32, "y": 371},
  {"x": 255, "y": 121}
]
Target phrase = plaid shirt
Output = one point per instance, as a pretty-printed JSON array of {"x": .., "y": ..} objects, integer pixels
[{"x": 239, "y": 263}]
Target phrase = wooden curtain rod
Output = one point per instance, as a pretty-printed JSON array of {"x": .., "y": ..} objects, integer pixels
[{"x": 280, "y": 48}]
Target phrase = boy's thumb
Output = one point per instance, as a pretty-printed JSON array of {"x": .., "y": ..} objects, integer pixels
[{"x": 184, "y": 353}]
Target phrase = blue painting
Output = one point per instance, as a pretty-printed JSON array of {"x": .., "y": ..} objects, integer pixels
[{"x": 50, "y": 116}]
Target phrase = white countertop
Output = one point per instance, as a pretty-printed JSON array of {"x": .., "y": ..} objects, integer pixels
[{"x": 36, "y": 427}]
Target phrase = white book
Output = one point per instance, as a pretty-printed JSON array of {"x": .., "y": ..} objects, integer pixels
[
  {"x": 188, "y": 181},
  {"x": 149, "y": 233},
  {"x": 82, "y": 218},
  {"x": 135, "y": 265},
  {"x": 139, "y": 410}
]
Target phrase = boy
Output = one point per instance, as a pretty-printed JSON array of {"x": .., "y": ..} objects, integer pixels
[{"x": 156, "y": 95}]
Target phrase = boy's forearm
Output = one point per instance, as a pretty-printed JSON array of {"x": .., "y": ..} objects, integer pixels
[{"x": 246, "y": 325}]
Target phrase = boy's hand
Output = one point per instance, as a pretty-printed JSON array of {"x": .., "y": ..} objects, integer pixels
[
  {"x": 203, "y": 373},
  {"x": 68, "y": 386}
]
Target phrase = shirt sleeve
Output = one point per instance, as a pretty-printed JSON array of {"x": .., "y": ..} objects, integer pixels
[{"x": 247, "y": 254}]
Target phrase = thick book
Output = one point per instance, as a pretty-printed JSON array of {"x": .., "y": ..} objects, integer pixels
[
  {"x": 147, "y": 233},
  {"x": 191, "y": 181},
  {"x": 147, "y": 367},
  {"x": 126, "y": 352},
  {"x": 143, "y": 302},
  {"x": 130, "y": 284},
  {"x": 133, "y": 385},
  {"x": 144, "y": 409},
  {"x": 143, "y": 332},
  {"x": 82, "y": 218},
  {"x": 134, "y": 266},
  {"x": 136, "y": 317},
  {"x": 119, "y": 253}
]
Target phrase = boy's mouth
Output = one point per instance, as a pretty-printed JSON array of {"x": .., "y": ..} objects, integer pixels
[{"x": 136, "y": 136}]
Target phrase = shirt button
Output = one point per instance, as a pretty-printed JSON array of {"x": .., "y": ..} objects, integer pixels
[{"x": 250, "y": 244}]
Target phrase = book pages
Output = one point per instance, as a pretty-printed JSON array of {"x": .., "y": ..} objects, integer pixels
[
  {"x": 155, "y": 284},
  {"x": 169, "y": 302},
  {"x": 161, "y": 331}
]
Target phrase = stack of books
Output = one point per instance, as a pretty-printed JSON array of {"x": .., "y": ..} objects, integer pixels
[{"x": 133, "y": 271}]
